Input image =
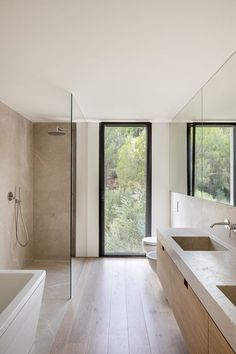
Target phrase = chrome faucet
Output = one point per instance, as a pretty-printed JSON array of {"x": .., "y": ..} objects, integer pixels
[{"x": 227, "y": 224}]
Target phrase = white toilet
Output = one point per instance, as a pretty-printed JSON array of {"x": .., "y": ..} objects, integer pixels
[
  {"x": 152, "y": 259},
  {"x": 149, "y": 246}
]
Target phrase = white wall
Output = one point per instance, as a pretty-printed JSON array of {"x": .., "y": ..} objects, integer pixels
[
  {"x": 81, "y": 189},
  {"x": 178, "y": 157},
  {"x": 87, "y": 214},
  {"x": 160, "y": 176},
  {"x": 87, "y": 190},
  {"x": 93, "y": 190}
]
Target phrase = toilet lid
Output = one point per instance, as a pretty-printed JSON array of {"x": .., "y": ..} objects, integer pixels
[{"x": 152, "y": 241}]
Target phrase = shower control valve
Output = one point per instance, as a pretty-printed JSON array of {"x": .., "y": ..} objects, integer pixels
[{"x": 10, "y": 196}]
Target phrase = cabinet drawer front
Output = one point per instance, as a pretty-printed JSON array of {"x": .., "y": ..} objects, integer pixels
[
  {"x": 164, "y": 269},
  {"x": 217, "y": 342},
  {"x": 190, "y": 314}
]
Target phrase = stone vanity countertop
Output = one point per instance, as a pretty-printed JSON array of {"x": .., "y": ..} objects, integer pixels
[{"x": 204, "y": 270}]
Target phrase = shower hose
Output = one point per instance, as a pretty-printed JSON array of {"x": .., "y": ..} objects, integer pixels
[{"x": 18, "y": 214}]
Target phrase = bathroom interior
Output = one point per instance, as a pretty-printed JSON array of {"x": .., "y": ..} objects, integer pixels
[{"x": 118, "y": 177}]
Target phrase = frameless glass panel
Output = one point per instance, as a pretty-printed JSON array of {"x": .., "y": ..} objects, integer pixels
[
  {"x": 219, "y": 93},
  {"x": 181, "y": 146},
  {"x": 125, "y": 187},
  {"x": 52, "y": 159},
  {"x": 75, "y": 117},
  {"x": 178, "y": 157},
  {"x": 219, "y": 158}
]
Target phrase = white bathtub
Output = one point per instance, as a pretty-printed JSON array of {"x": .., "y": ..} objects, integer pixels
[{"x": 20, "y": 300}]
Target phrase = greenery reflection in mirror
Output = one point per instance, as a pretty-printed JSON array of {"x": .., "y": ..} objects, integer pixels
[{"x": 211, "y": 161}]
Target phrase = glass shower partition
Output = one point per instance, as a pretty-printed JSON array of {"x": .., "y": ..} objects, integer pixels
[
  {"x": 52, "y": 199},
  {"x": 75, "y": 117}
]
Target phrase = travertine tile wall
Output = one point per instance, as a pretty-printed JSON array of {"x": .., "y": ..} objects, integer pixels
[
  {"x": 196, "y": 212},
  {"x": 51, "y": 192},
  {"x": 16, "y": 170}
]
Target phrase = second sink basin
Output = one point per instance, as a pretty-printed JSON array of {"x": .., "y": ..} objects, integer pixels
[
  {"x": 229, "y": 291},
  {"x": 199, "y": 243}
]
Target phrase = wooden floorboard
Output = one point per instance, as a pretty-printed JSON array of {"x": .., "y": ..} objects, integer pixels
[
  {"x": 118, "y": 307},
  {"x": 137, "y": 330},
  {"x": 62, "y": 344},
  {"x": 99, "y": 322},
  {"x": 118, "y": 326},
  {"x": 163, "y": 332}
]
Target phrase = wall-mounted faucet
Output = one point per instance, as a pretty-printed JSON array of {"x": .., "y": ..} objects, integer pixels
[{"x": 227, "y": 224}]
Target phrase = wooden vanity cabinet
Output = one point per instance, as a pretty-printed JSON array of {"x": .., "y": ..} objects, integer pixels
[
  {"x": 201, "y": 334},
  {"x": 190, "y": 314},
  {"x": 164, "y": 267},
  {"x": 217, "y": 342}
]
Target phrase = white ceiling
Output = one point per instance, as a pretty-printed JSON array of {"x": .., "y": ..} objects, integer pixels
[{"x": 124, "y": 59}]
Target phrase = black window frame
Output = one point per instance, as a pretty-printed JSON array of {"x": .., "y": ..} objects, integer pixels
[
  {"x": 102, "y": 127},
  {"x": 191, "y": 143}
]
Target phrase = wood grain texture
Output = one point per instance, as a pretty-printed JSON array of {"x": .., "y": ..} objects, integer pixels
[
  {"x": 217, "y": 342},
  {"x": 190, "y": 314},
  {"x": 118, "y": 308},
  {"x": 164, "y": 269}
]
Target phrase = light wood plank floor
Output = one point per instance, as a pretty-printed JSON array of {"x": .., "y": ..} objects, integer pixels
[{"x": 118, "y": 307}]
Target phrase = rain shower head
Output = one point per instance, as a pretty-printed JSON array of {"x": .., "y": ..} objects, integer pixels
[{"x": 59, "y": 131}]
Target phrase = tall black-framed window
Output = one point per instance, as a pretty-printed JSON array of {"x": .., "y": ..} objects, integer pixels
[
  {"x": 211, "y": 161},
  {"x": 125, "y": 177}
]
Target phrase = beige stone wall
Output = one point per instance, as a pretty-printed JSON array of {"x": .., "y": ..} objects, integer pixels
[
  {"x": 51, "y": 192},
  {"x": 16, "y": 170},
  {"x": 200, "y": 213}
]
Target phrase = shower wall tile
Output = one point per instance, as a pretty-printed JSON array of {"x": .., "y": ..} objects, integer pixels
[
  {"x": 16, "y": 170},
  {"x": 51, "y": 192}
]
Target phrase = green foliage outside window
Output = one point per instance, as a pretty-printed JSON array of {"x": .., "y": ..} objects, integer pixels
[
  {"x": 213, "y": 163},
  {"x": 125, "y": 188}
]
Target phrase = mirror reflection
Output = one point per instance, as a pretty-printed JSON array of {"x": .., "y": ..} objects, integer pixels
[
  {"x": 211, "y": 168},
  {"x": 219, "y": 93},
  {"x": 203, "y": 140}
]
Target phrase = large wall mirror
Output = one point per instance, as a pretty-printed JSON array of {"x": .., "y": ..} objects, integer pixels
[
  {"x": 184, "y": 151},
  {"x": 203, "y": 140}
]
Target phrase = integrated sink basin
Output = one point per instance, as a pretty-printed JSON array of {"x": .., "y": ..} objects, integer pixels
[
  {"x": 199, "y": 243},
  {"x": 229, "y": 291}
]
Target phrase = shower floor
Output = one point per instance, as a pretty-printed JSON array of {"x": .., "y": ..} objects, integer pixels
[{"x": 54, "y": 304}]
